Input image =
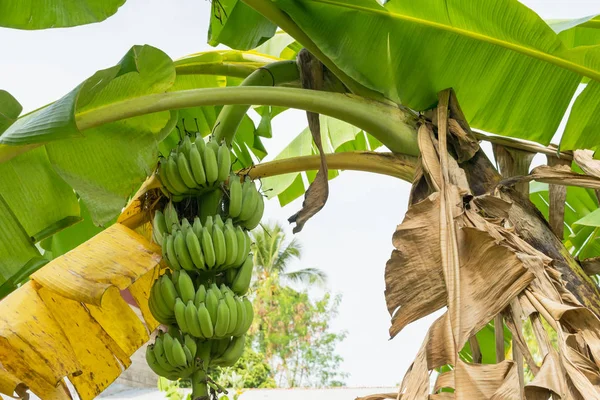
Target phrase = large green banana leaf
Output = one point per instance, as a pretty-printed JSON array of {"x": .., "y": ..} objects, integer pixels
[
  {"x": 41, "y": 14},
  {"x": 512, "y": 73}
]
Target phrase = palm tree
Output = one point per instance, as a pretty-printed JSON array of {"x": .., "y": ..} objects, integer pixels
[{"x": 272, "y": 255}]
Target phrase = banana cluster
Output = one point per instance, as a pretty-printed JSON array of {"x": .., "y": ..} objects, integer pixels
[
  {"x": 205, "y": 313},
  {"x": 214, "y": 313},
  {"x": 214, "y": 246},
  {"x": 195, "y": 166},
  {"x": 246, "y": 204},
  {"x": 225, "y": 352},
  {"x": 173, "y": 357}
]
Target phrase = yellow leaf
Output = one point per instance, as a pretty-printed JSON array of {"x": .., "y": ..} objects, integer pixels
[
  {"x": 115, "y": 257},
  {"x": 91, "y": 344},
  {"x": 8, "y": 382}
]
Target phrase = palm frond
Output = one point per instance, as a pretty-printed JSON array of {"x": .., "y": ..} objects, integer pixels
[{"x": 307, "y": 276}]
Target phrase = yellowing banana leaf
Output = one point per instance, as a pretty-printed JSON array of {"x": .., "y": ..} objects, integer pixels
[
  {"x": 42, "y": 14},
  {"x": 75, "y": 296},
  {"x": 511, "y": 72}
]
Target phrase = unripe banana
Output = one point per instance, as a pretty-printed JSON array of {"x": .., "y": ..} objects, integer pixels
[
  {"x": 200, "y": 143},
  {"x": 168, "y": 348},
  {"x": 241, "y": 317},
  {"x": 178, "y": 354},
  {"x": 208, "y": 248},
  {"x": 241, "y": 283},
  {"x": 208, "y": 223},
  {"x": 185, "y": 225},
  {"x": 254, "y": 220},
  {"x": 200, "y": 296},
  {"x": 196, "y": 165},
  {"x": 213, "y": 145},
  {"x": 219, "y": 245},
  {"x": 191, "y": 318},
  {"x": 206, "y": 322},
  {"x": 241, "y": 250},
  {"x": 230, "y": 301},
  {"x": 197, "y": 227},
  {"x": 224, "y": 161},
  {"x": 210, "y": 165},
  {"x": 185, "y": 287},
  {"x": 190, "y": 343},
  {"x": 153, "y": 363},
  {"x": 156, "y": 313},
  {"x": 219, "y": 346},
  {"x": 181, "y": 251},
  {"x": 235, "y": 196},
  {"x": 185, "y": 172},
  {"x": 248, "y": 243},
  {"x": 159, "y": 353},
  {"x": 233, "y": 352},
  {"x": 165, "y": 256},
  {"x": 189, "y": 358},
  {"x": 216, "y": 290},
  {"x": 230, "y": 243},
  {"x": 168, "y": 292},
  {"x": 162, "y": 175},
  {"x": 180, "y": 315},
  {"x": 249, "y": 200},
  {"x": 159, "y": 226},
  {"x": 171, "y": 217},
  {"x": 193, "y": 246},
  {"x": 159, "y": 302},
  {"x": 185, "y": 146},
  {"x": 173, "y": 174},
  {"x": 212, "y": 303},
  {"x": 230, "y": 275},
  {"x": 222, "y": 322},
  {"x": 217, "y": 220},
  {"x": 249, "y": 314}
]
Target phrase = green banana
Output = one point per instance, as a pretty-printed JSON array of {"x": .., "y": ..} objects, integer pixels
[
  {"x": 219, "y": 245},
  {"x": 206, "y": 322},
  {"x": 200, "y": 296},
  {"x": 254, "y": 220},
  {"x": 241, "y": 283},
  {"x": 175, "y": 332},
  {"x": 168, "y": 349},
  {"x": 180, "y": 316},
  {"x": 248, "y": 243},
  {"x": 173, "y": 176},
  {"x": 159, "y": 353},
  {"x": 193, "y": 246},
  {"x": 233, "y": 352},
  {"x": 222, "y": 322},
  {"x": 189, "y": 358},
  {"x": 241, "y": 239},
  {"x": 213, "y": 145},
  {"x": 191, "y": 319},
  {"x": 153, "y": 363},
  {"x": 210, "y": 165},
  {"x": 165, "y": 257},
  {"x": 196, "y": 166},
  {"x": 224, "y": 162},
  {"x": 162, "y": 175},
  {"x": 212, "y": 303},
  {"x": 241, "y": 317},
  {"x": 235, "y": 196},
  {"x": 178, "y": 354},
  {"x": 200, "y": 143},
  {"x": 230, "y": 243},
  {"x": 156, "y": 313},
  {"x": 208, "y": 223},
  {"x": 208, "y": 248},
  {"x": 197, "y": 227},
  {"x": 230, "y": 274},
  {"x": 185, "y": 287},
  {"x": 249, "y": 314},
  {"x": 159, "y": 302},
  {"x": 190, "y": 343},
  {"x": 230, "y": 301},
  {"x": 185, "y": 146},
  {"x": 219, "y": 346},
  {"x": 249, "y": 201},
  {"x": 185, "y": 172},
  {"x": 185, "y": 225},
  {"x": 172, "y": 258},
  {"x": 159, "y": 226},
  {"x": 168, "y": 292},
  {"x": 181, "y": 251},
  {"x": 216, "y": 290},
  {"x": 217, "y": 220},
  {"x": 171, "y": 217}
]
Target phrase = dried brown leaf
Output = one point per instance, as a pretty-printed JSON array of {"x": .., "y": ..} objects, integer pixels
[
  {"x": 557, "y": 176},
  {"x": 585, "y": 160},
  {"x": 486, "y": 381},
  {"x": 557, "y": 197}
]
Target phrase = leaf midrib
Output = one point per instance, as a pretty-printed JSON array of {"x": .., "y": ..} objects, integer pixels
[{"x": 528, "y": 51}]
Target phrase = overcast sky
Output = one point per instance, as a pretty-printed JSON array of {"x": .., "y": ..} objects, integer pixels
[{"x": 350, "y": 238}]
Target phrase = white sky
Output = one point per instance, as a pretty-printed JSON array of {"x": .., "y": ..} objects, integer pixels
[{"x": 350, "y": 238}]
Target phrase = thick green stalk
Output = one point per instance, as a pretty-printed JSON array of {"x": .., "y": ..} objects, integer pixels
[
  {"x": 231, "y": 116},
  {"x": 393, "y": 126},
  {"x": 199, "y": 385}
]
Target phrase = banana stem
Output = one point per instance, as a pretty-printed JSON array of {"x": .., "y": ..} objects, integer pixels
[
  {"x": 199, "y": 385},
  {"x": 230, "y": 117}
]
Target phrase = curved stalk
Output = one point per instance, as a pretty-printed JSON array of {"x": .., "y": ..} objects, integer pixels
[
  {"x": 396, "y": 165},
  {"x": 231, "y": 116},
  {"x": 393, "y": 126},
  {"x": 199, "y": 386}
]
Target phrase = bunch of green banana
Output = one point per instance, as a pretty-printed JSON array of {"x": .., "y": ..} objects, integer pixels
[
  {"x": 162, "y": 300},
  {"x": 194, "y": 166},
  {"x": 238, "y": 279},
  {"x": 225, "y": 352},
  {"x": 246, "y": 204},
  {"x": 214, "y": 313},
  {"x": 214, "y": 246},
  {"x": 173, "y": 357}
]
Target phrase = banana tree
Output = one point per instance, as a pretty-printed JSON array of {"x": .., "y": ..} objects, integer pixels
[{"x": 425, "y": 82}]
